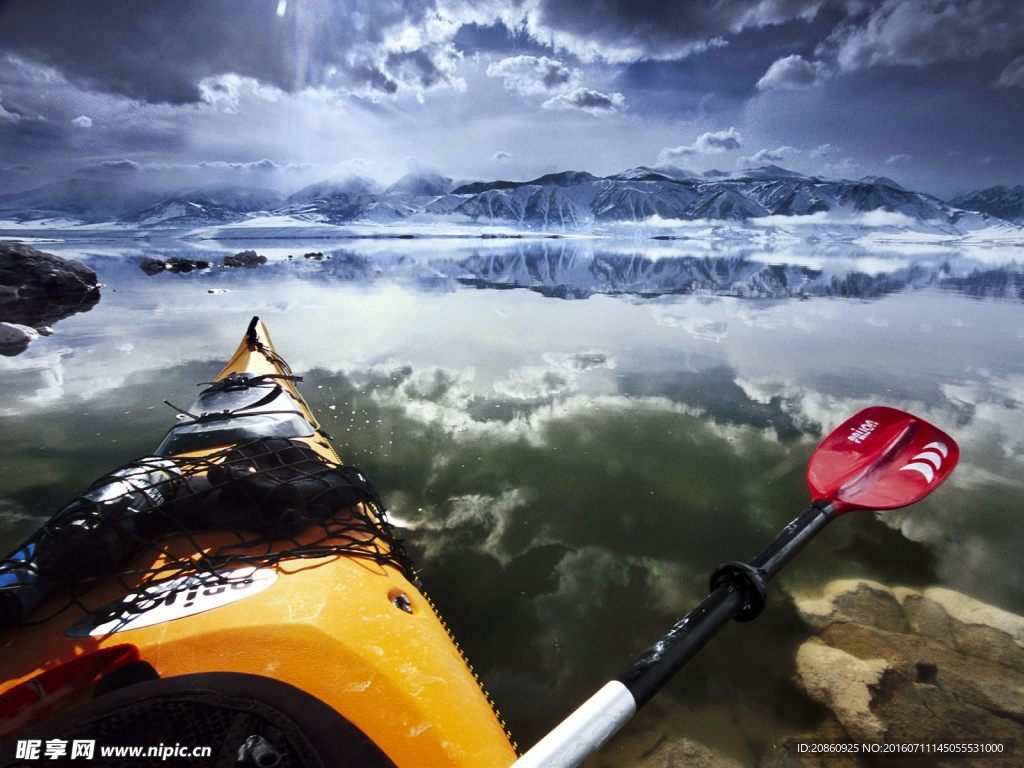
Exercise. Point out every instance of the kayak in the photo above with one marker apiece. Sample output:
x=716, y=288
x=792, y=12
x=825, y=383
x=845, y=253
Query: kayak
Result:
x=251, y=599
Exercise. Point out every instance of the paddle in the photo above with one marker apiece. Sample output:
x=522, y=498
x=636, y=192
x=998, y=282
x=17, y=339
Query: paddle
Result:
x=881, y=458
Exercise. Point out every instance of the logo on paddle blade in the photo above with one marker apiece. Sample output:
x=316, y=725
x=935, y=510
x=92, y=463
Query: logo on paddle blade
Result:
x=929, y=461
x=858, y=434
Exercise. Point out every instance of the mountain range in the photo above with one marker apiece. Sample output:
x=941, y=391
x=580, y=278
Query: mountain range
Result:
x=570, y=200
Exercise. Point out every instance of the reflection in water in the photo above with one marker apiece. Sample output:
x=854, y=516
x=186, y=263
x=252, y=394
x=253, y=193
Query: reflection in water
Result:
x=577, y=269
x=567, y=472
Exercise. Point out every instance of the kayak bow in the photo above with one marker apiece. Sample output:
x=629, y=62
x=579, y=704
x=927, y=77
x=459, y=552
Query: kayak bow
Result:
x=351, y=636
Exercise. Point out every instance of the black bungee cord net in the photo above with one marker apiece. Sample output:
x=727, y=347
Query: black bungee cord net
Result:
x=151, y=523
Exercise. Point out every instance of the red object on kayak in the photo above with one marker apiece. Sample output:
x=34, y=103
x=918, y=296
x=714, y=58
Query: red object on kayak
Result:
x=39, y=697
x=880, y=458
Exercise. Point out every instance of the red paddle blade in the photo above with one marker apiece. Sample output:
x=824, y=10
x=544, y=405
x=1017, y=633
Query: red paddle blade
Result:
x=881, y=458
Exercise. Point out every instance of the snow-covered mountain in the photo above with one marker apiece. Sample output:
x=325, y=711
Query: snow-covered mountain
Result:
x=184, y=213
x=1003, y=202
x=79, y=198
x=569, y=200
x=192, y=208
x=670, y=193
x=355, y=198
x=421, y=184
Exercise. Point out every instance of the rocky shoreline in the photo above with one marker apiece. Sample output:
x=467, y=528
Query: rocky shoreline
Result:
x=37, y=289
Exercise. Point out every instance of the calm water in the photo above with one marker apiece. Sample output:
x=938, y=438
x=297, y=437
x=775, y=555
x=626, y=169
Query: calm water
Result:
x=569, y=459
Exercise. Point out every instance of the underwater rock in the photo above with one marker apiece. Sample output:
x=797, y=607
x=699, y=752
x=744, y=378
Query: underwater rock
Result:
x=912, y=666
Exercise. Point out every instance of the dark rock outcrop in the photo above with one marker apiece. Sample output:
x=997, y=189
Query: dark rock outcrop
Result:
x=152, y=266
x=245, y=259
x=37, y=289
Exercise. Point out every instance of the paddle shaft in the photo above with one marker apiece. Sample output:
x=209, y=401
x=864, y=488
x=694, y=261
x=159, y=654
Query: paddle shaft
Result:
x=738, y=591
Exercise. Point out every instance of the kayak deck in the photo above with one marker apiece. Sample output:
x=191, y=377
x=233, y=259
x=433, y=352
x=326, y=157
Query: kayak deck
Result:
x=351, y=631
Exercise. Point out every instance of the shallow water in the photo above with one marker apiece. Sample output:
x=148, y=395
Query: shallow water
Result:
x=569, y=459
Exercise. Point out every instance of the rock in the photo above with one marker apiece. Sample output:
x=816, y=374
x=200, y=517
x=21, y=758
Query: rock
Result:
x=905, y=665
x=855, y=600
x=152, y=266
x=38, y=289
x=245, y=259
x=313, y=255
x=844, y=684
x=683, y=753
x=641, y=747
x=15, y=338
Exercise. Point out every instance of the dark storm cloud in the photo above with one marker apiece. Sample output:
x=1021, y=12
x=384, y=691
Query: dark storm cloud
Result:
x=374, y=78
x=25, y=137
x=110, y=166
x=160, y=52
x=629, y=30
x=920, y=32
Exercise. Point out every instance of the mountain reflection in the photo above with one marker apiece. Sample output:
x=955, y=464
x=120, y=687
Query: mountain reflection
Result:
x=578, y=270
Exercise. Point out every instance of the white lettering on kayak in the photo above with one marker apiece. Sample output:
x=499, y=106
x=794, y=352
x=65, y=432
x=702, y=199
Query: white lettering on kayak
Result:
x=858, y=434
x=175, y=599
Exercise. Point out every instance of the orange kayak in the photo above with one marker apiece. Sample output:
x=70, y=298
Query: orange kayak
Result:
x=272, y=625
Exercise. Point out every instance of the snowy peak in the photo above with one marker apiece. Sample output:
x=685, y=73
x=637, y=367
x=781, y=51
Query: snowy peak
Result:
x=763, y=172
x=351, y=186
x=174, y=212
x=563, y=179
x=881, y=181
x=421, y=184
x=1002, y=202
x=661, y=173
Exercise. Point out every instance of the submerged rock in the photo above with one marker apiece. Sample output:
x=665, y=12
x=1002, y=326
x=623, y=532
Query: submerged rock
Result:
x=912, y=666
x=37, y=289
x=245, y=259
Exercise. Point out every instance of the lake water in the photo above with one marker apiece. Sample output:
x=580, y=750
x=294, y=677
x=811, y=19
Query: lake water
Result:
x=572, y=434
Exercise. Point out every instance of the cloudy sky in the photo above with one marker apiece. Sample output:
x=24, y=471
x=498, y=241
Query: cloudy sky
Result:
x=280, y=93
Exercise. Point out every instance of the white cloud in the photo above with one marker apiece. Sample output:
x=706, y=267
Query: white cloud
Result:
x=763, y=156
x=83, y=121
x=883, y=218
x=501, y=156
x=792, y=73
x=710, y=143
x=845, y=166
x=7, y=116
x=824, y=150
x=586, y=100
x=532, y=75
x=898, y=159
x=1013, y=75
